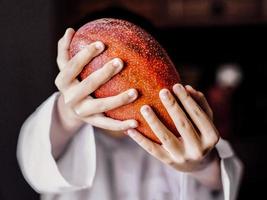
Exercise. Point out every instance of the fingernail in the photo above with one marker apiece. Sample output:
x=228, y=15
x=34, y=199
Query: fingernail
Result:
x=164, y=94
x=68, y=30
x=145, y=110
x=132, y=93
x=117, y=63
x=190, y=87
x=134, y=124
x=131, y=133
x=180, y=91
x=99, y=45
x=178, y=88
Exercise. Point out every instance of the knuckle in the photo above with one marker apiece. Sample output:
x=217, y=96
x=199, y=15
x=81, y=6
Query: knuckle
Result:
x=197, y=111
x=73, y=62
x=78, y=111
x=196, y=154
x=106, y=73
x=58, y=61
x=93, y=85
x=169, y=162
x=69, y=97
x=60, y=42
x=58, y=82
x=170, y=142
x=152, y=119
x=181, y=160
x=212, y=141
x=141, y=141
x=123, y=127
x=81, y=110
x=89, y=83
x=102, y=106
x=150, y=148
x=185, y=96
x=201, y=95
x=183, y=123
x=172, y=102
x=95, y=106
x=166, y=139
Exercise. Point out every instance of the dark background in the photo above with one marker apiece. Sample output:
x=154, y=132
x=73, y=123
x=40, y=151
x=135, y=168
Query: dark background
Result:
x=29, y=31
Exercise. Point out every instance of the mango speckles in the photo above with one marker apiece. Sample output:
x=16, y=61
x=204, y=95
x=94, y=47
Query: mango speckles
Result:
x=147, y=68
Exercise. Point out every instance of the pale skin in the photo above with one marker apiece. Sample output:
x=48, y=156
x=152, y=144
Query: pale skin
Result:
x=193, y=153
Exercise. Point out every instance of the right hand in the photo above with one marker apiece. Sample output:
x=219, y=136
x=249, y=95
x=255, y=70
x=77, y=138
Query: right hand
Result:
x=75, y=106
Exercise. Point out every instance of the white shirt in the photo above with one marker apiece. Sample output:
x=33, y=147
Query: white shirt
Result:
x=96, y=166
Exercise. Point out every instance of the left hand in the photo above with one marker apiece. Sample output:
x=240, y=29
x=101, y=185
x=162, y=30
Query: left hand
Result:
x=192, y=151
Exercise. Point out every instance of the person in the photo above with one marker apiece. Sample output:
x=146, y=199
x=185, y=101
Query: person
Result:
x=68, y=149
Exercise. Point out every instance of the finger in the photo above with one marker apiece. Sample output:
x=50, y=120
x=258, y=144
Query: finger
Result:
x=63, y=48
x=101, y=121
x=152, y=148
x=182, y=123
x=201, y=120
x=92, y=106
x=77, y=63
x=94, y=80
x=200, y=99
x=168, y=140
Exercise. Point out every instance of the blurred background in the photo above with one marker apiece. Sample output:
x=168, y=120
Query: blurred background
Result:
x=218, y=46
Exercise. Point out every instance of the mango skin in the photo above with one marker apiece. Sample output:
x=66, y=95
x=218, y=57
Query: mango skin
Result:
x=147, y=67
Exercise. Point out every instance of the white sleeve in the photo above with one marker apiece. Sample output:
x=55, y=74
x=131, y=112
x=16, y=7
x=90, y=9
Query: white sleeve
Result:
x=231, y=170
x=231, y=173
x=73, y=171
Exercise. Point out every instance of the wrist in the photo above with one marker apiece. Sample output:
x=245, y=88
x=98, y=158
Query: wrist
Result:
x=209, y=159
x=209, y=173
x=66, y=118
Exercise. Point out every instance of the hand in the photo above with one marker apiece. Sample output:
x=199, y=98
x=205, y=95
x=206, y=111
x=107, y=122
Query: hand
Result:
x=190, y=152
x=75, y=106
